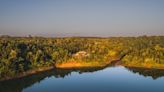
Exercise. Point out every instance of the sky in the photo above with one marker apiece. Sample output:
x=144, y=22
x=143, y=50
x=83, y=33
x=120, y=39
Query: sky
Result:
x=101, y=18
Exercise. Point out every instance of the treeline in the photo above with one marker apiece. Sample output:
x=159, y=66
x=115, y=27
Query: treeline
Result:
x=20, y=54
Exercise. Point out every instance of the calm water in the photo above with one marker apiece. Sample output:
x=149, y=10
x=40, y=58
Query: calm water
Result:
x=109, y=79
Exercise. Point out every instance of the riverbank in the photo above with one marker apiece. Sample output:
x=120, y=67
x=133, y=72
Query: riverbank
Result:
x=158, y=66
x=27, y=73
x=78, y=65
x=70, y=65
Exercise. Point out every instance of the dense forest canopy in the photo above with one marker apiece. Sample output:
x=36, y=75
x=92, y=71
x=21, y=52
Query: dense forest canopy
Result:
x=20, y=54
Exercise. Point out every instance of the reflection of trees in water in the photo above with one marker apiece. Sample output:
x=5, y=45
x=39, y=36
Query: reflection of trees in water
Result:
x=17, y=85
x=154, y=73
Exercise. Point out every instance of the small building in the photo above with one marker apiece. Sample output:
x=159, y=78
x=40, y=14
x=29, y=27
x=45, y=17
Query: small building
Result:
x=81, y=54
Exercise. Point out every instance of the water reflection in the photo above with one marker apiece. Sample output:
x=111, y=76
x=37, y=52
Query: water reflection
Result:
x=154, y=73
x=17, y=85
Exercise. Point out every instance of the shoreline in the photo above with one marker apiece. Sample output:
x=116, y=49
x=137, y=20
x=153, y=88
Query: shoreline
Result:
x=144, y=67
x=58, y=66
x=27, y=73
x=72, y=65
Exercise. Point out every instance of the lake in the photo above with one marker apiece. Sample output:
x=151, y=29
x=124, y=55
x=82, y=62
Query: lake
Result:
x=107, y=79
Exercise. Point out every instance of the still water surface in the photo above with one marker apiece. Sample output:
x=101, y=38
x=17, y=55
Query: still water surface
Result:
x=108, y=79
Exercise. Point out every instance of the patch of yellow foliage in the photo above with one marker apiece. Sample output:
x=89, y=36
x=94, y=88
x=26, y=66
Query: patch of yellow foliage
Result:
x=112, y=53
x=73, y=64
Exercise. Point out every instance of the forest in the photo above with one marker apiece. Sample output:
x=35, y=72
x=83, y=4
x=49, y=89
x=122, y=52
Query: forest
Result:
x=21, y=54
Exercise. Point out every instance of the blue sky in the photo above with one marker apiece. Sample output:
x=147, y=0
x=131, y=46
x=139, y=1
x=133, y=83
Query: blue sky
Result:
x=82, y=17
